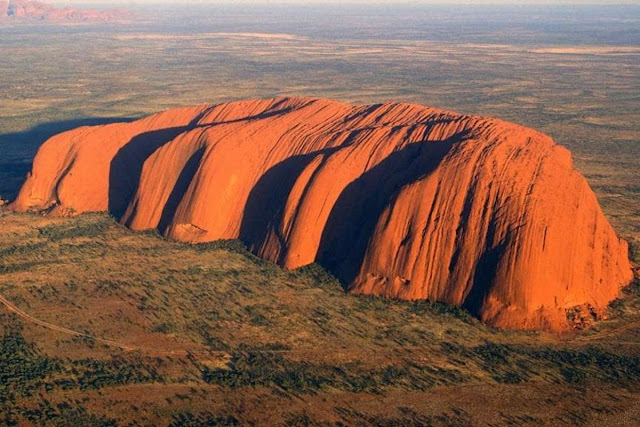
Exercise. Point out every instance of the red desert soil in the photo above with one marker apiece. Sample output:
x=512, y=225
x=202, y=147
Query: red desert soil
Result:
x=46, y=12
x=398, y=200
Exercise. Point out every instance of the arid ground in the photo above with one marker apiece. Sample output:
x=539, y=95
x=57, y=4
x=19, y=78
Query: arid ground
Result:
x=104, y=326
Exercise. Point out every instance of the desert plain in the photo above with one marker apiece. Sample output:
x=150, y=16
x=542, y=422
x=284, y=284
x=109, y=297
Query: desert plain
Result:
x=102, y=325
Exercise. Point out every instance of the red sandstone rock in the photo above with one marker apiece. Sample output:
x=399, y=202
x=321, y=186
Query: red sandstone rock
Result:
x=4, y=8
x=397, y=200
x=46, y=12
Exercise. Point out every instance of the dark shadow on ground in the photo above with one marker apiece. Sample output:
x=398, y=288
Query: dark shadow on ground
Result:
x=19, y=148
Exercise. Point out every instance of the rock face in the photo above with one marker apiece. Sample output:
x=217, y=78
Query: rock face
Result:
x=46, y=12
x=397, y=200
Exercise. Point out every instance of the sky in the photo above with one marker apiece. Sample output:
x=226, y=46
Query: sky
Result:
x=541, y=2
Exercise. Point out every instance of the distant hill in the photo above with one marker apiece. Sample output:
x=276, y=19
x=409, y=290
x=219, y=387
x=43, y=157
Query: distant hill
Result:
x=27, y=9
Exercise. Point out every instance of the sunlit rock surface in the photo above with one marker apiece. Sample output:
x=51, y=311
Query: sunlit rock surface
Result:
x=397, y=200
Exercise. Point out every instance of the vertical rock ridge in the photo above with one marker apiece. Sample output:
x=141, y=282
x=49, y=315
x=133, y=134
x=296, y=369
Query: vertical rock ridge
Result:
x=397, y=200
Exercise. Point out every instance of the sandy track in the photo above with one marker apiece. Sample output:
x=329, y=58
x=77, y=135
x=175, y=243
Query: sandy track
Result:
x=111, y=343
x=613, y=332
x=160, y=351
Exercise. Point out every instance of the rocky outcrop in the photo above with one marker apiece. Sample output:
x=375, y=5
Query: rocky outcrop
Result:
x=397, y=200
x=4, y=8
x=38, y=10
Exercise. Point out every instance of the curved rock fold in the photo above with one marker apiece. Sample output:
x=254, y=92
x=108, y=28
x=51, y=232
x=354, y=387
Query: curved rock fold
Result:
x=397, y=200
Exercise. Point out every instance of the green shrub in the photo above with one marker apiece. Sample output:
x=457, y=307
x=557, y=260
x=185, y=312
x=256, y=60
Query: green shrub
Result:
x=204, y=418
x=573, y=375
x=272, y=370
x=92, y=229
x=22, y=368
x=441, y=309
x=317, y=275
x=234, y=246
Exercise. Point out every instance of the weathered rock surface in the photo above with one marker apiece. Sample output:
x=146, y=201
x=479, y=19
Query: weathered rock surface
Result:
x=397, y=200
x=45, y=12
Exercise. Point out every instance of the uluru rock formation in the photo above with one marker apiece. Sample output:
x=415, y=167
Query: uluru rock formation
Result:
x=45, y=12
x=397, y=200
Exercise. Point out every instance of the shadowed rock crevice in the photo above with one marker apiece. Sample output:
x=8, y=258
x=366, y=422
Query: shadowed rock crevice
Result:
x=260, y=116
x=395, y=199
x=355, y=214
x=19, y=148
x=483, y=279
x=181, y=186
x=264, y=210
x=126, y=166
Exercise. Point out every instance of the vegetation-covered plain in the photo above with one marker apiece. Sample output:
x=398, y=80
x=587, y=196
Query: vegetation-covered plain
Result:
x=105, y=326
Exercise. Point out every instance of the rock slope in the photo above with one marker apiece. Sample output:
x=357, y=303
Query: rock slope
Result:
x=45, y=12
x=397, y=200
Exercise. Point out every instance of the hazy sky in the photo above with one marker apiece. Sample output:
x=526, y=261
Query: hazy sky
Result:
x=550, y=2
